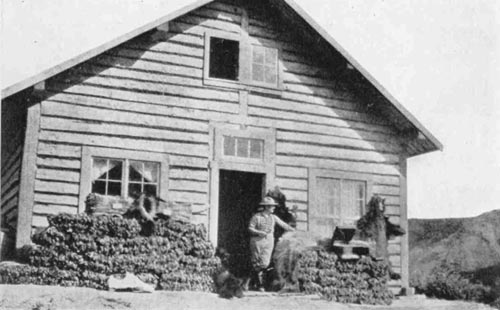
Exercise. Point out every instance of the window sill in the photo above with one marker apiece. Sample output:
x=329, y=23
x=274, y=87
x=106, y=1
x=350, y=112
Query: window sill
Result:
x=237, y=85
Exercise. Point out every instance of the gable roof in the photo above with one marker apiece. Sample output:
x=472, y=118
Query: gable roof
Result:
x=82, y=48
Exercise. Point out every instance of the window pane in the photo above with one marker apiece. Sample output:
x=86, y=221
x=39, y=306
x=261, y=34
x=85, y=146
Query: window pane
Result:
x=256, y=148
x=362, y=196
x=361, y=190
x=134, y=189
x=135, y=169
x=271, y=56
x=99, y=169
x=328, y=197
x=151, y=189
x=258, y=73
x=351, y=198
x=270, y=75
x=224, y=59
x=242, y=150
x=258, y=55
x=114, y=188
x=151, y=172
x=99, y=187
x=229, y=146
x=115, y=170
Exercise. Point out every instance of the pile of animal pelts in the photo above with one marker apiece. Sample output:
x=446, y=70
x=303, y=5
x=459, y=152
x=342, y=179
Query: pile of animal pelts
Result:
x=83, y=250
x=304, y=266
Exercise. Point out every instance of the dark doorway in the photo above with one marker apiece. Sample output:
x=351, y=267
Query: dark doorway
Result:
x=239, y=196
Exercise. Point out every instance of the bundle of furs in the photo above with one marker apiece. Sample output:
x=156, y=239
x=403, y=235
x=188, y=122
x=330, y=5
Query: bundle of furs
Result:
x=287, y=253
x=85, y=250
x=302, y=264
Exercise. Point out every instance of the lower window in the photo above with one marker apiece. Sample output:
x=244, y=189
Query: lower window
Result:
x=124, y=177
x=337, y=199
x=120, y=175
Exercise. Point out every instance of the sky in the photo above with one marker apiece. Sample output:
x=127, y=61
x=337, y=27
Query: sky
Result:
x=439, y=58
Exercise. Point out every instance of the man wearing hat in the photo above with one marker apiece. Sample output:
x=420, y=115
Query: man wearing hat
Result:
x=261, y=229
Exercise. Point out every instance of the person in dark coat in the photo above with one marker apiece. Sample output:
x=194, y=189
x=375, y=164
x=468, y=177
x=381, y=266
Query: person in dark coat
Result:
x=375, y=225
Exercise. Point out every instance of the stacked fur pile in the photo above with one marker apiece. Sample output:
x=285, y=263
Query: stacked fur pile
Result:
x=302, y=265
x=83, y=250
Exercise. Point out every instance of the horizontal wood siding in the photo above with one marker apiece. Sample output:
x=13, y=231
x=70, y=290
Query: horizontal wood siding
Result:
x=149, y=95
x=321, y=125
x=57, y=179
x=12, y=154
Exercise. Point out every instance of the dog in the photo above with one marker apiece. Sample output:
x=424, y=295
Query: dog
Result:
x=228, y=286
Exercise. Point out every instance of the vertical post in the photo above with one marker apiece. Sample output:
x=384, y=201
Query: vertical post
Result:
x=405, y=282
x=214, y=203
x=243, y=104
x=213, y=190
x=28, y=171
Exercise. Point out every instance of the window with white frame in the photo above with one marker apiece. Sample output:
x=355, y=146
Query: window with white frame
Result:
x=337, y=199
x=123, y=177
x=251, y=145
x=264, y=65
x=122, y=174
x=231, y=61
x=224, y=58
x=243, y=147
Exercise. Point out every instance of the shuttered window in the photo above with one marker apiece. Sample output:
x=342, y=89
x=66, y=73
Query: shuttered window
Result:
x=264, y=65
x=337, y=200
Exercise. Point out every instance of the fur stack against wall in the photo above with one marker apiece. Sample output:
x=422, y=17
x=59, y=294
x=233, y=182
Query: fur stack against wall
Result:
x=83, y=250
x=304, y=266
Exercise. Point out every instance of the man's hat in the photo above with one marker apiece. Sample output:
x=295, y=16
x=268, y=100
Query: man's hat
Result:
x=268, y=201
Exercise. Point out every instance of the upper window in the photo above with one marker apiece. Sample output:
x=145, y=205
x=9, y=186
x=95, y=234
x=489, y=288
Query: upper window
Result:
x=224, y=59
x=123, y=177
x=231, y=60
x=264, y=65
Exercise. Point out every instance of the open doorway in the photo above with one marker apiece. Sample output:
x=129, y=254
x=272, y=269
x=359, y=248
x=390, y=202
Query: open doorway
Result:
x=239, y=196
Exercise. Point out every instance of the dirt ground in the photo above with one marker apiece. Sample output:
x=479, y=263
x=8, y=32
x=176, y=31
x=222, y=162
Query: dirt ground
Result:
x=33, y=297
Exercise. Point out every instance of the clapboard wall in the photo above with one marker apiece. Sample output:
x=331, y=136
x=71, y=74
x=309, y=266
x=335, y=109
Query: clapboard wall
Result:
x=13, y=131
x=148, y=94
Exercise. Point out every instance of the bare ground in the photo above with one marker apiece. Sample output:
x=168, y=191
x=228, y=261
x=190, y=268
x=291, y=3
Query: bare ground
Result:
x=34, y=297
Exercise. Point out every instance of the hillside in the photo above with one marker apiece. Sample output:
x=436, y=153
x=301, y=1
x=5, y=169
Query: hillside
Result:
x=471, y=243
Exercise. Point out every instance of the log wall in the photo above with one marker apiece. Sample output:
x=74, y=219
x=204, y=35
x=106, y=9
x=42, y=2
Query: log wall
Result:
x=150, y=95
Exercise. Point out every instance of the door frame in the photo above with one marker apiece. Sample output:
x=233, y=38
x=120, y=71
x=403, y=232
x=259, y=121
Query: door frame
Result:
x=219, y=162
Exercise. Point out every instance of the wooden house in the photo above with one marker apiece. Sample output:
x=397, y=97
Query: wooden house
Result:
x=210, y=106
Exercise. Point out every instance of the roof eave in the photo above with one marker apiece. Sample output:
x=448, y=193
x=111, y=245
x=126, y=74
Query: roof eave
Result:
x=426, y=133
x=14, y=88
